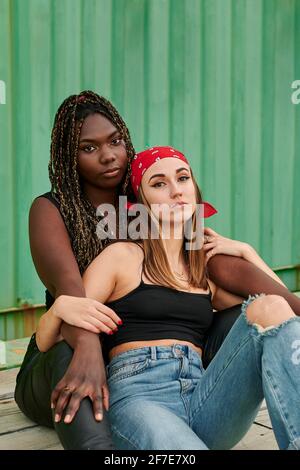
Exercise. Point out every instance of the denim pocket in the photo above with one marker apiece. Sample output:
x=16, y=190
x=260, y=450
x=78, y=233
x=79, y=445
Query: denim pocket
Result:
x=126, y=368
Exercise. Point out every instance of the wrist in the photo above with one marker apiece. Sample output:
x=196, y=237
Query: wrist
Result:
x=247, y=251
x=84, y=339
x=88, y=343
x=56, y=307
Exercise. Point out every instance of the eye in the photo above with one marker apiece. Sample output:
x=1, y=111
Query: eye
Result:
x=89, y=148
x=116, y=140
x=158, y=184
x=184, y=178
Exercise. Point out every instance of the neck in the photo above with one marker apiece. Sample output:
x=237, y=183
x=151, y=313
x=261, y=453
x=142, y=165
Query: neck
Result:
x=173, y=245
x=173, y=250
x=99, y=196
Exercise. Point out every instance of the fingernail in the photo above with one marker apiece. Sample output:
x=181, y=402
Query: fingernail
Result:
x=67, y=419
x=99, y=416
x=120, y=322
x=57, y=418
x=52, y=406
x=110, y=333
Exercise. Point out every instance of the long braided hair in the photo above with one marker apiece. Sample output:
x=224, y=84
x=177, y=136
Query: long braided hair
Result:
x=77, y=211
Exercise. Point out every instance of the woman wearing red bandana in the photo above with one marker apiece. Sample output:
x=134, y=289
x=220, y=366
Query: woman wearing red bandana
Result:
x=161, y=397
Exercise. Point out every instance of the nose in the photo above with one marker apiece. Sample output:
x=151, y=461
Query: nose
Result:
x=175, y=190
x=107, y=155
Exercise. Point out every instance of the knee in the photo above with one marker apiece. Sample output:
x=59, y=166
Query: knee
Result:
x=269, y=310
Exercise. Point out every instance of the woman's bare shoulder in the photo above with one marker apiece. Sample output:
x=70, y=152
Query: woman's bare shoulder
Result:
x=51, y=248
x=120, y=252
x=124, y=248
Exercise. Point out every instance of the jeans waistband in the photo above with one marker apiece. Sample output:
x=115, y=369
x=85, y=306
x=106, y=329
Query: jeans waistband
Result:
x=159, y=352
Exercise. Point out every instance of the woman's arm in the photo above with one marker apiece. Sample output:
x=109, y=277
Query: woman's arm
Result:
x=54, y=262
x=243, y=278
x=216, y=244
x=112, y=261
x=86, y=374
x=249, y=254
x=51, y=250
x=73, y=311
x=58, y=270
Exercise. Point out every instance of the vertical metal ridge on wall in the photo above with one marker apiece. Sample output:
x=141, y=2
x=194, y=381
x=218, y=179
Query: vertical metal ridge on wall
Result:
x=211, y=77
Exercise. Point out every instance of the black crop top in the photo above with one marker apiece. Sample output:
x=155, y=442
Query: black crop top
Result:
x=152, y=312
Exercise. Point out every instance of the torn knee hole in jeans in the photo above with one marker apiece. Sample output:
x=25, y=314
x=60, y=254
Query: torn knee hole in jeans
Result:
x=246, y=303
x=262, y=329
x=259, y=328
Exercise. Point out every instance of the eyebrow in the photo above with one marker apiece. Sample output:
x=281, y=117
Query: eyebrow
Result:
x=87, y=139
x=161, y=175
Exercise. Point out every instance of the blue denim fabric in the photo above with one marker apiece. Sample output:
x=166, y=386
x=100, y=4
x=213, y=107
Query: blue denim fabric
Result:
x=162, y=398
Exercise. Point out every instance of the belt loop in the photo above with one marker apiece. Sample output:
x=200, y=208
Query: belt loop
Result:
x=153, y=353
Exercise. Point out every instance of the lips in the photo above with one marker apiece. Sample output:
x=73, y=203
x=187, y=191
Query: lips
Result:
x=112, y=171
x=177, y=204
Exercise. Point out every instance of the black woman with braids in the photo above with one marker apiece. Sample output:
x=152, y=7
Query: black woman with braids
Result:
x=90, y=157
x=90, y=160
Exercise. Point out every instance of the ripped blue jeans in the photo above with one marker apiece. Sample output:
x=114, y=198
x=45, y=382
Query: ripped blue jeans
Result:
x=162, y=398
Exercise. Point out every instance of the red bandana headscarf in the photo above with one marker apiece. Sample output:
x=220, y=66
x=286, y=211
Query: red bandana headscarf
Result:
x=143, y=160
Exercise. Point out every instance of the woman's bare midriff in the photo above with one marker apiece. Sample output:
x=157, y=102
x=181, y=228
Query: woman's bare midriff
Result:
x=121, y=348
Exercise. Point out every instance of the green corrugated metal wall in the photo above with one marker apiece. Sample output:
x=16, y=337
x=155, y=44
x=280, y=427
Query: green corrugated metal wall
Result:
x=212, y=78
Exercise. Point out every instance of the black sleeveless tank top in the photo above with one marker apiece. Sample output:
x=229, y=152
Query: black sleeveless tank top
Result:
x=152, y=312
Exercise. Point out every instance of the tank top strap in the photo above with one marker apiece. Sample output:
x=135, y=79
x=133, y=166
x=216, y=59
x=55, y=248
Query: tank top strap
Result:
x=51, y=197
x=141, y=270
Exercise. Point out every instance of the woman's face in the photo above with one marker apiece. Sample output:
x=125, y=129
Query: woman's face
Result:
x=102, y=157
x=168, y=181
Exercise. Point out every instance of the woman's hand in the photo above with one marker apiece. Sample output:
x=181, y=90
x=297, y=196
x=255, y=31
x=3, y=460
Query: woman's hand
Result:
x=86, y=313
x=216, y=244
x=85, y=377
